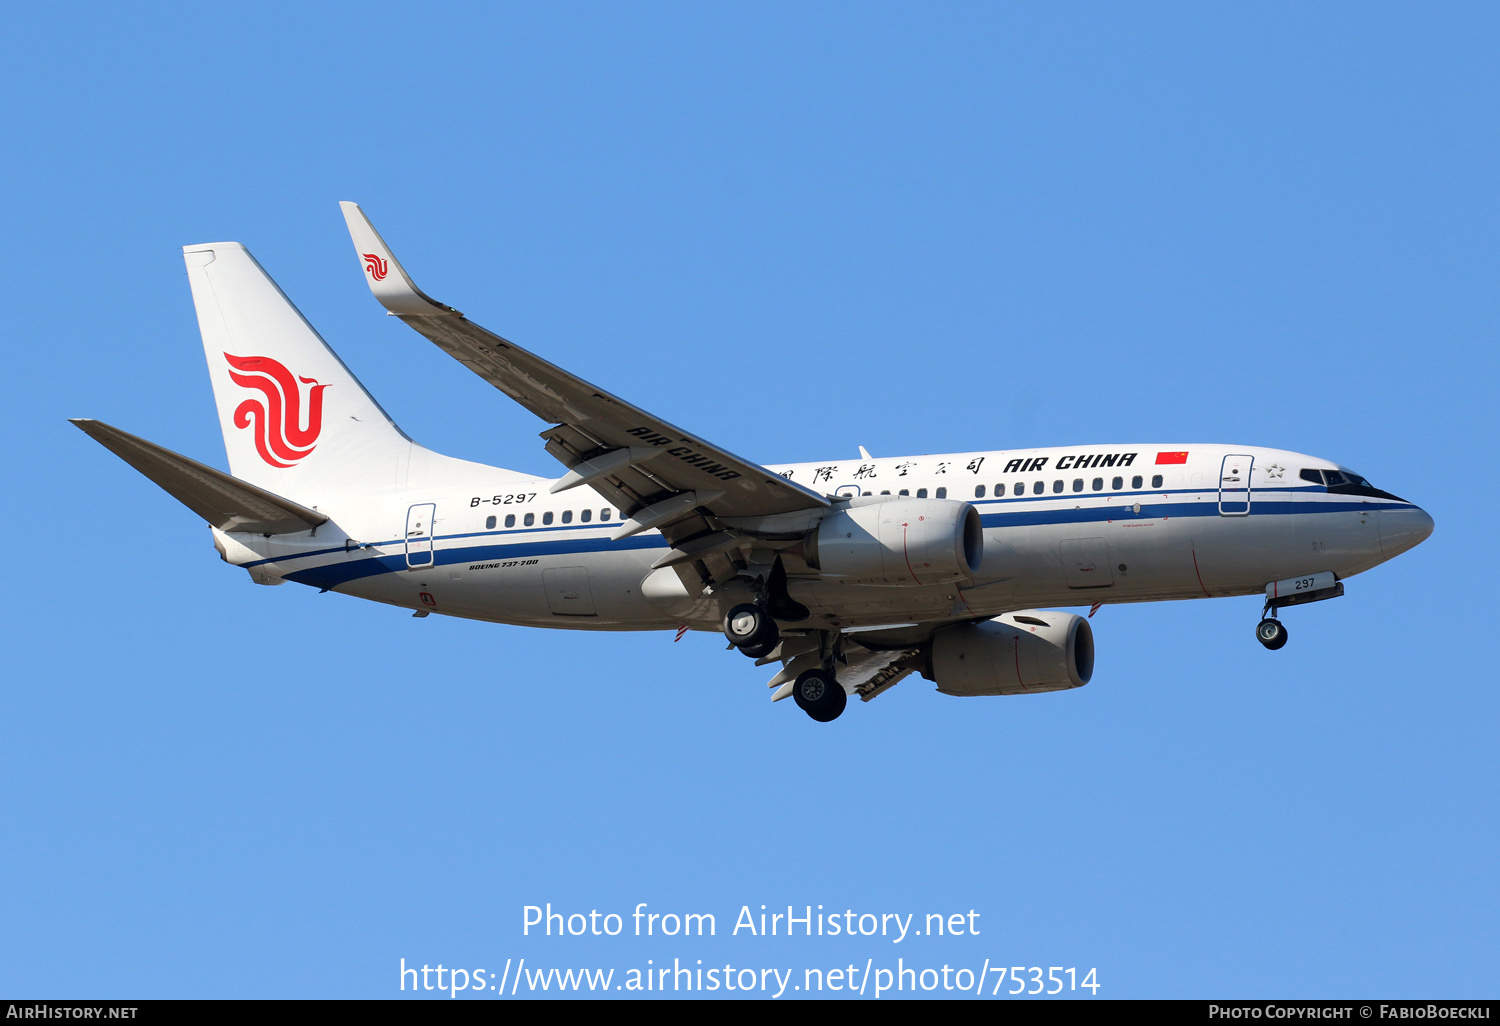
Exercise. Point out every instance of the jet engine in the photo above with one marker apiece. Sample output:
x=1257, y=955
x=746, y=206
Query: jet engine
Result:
x=1015, y=654
x=899, y=542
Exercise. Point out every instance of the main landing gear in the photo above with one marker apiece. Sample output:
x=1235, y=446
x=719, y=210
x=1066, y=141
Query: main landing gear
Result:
x=819, y=694
x=751, y=626
x=750, y=629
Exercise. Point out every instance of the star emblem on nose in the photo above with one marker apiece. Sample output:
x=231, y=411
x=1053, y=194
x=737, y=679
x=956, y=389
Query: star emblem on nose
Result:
x=1275, y=470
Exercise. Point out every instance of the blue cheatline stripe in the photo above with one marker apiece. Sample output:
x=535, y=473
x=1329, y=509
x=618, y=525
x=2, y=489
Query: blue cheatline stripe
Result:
x=609, y=525
x=505, y=532
x=303, y=555
x=333, y=574
x=1262, y=507
x=1051, y=496
x=1140, y=494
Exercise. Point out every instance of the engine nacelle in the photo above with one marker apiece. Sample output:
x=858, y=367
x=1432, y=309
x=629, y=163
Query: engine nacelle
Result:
x=1015, y=654
x=901, y=542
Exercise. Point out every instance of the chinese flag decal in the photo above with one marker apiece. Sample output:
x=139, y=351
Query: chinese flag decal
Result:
x=1170, y=457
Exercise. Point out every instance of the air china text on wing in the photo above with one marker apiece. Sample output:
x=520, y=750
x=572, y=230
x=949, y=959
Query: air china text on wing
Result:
x=851, y=574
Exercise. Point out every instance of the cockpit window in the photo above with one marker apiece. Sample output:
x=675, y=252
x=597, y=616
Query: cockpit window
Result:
x=1334, y=478
x=1346, y=482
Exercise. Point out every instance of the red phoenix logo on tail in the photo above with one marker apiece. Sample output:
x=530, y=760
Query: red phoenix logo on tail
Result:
x=376, y=265
x=280, y=437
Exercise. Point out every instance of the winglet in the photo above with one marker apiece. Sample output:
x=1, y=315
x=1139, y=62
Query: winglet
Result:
x=388, y=280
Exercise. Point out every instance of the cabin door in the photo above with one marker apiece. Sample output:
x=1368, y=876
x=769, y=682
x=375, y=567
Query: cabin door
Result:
x=1234, y=485
x=419, y=535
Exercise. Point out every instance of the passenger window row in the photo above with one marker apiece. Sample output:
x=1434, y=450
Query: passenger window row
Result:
x=942, y=493
x=529, y=519
x=1040, y=487
x=1037, y=488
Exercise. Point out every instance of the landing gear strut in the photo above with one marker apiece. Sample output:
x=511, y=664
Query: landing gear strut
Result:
x=819, y=694
x=1294, y=591
x=750, y=629
x=1270, y=633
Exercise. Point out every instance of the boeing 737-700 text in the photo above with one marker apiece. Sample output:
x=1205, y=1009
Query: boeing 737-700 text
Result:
x=851, y=574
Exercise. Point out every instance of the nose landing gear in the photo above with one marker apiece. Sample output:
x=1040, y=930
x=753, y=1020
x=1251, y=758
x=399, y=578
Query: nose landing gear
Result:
x=1294, y=591
x=1270, y=633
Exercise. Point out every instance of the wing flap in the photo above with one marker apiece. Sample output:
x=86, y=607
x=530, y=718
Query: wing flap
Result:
x=225, y=502
x=866, y=673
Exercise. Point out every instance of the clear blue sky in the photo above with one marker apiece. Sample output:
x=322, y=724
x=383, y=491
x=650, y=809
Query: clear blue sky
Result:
x=795, y=230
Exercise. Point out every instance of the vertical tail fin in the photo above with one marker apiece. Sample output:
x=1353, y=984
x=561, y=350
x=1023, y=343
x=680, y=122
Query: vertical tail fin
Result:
x=295, y=420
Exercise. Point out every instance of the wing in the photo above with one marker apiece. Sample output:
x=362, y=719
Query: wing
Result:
x=658, y=474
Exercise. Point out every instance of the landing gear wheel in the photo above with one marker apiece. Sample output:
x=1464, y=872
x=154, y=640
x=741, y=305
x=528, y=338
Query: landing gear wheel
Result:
x=820, y=695
x=763, y=649
x=750, y=627
x=1270, y=633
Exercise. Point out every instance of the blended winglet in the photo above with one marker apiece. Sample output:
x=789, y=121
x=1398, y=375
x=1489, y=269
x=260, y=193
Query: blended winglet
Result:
x=388, y=280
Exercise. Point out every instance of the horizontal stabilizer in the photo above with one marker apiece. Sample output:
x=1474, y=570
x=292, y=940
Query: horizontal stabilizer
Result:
x=225, y=502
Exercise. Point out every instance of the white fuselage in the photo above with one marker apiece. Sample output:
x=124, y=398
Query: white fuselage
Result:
x=1062, y=527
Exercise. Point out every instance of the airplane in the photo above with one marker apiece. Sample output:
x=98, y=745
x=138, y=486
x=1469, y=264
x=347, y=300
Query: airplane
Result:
x=852, y=574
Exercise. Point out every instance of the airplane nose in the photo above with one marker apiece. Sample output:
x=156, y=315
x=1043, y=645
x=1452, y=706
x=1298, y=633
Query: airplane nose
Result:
x=1402, y=529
